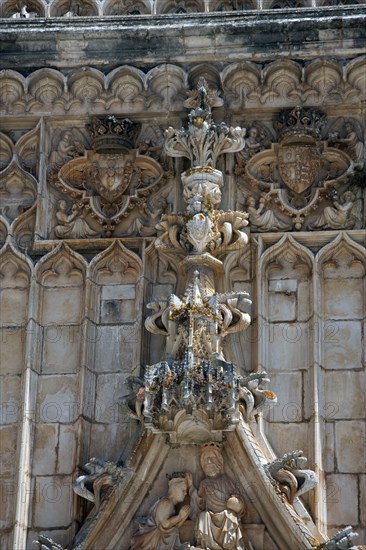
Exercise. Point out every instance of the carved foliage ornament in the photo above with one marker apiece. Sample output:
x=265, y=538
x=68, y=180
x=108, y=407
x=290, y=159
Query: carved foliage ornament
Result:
x=203, y=141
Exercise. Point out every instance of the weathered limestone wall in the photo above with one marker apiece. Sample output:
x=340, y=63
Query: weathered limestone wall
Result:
x=72, y=314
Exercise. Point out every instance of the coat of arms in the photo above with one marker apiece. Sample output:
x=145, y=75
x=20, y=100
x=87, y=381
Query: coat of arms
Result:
x=299, y=165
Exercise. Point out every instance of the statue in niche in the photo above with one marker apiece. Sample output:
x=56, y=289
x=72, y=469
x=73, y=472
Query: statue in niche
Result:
x=75, y=10
x=218, y=504
x=338, y=216
x=160, y=529
x=72, y=225
x=67, y=149
x=24, y=13
x=351, y=143
x=264, y=220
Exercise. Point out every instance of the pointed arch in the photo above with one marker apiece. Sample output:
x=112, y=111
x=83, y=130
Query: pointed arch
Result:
x=6, y=151
x=86, y=84
x=46, y=85
x=116, y=8
x=12, y=88
x=127, y=84
x=18, y=190
x=27, y=150
x=10, y=8
x=22, y=228
x=356, y=73
x=286, y=252
x=115, y=265
x=167, y=82
x=241, y=82
x=342, y=254
x=4, y=228
x=283, y=79
x=208, y=71
x=324, y=77
x=61, y=8
x=61, y=263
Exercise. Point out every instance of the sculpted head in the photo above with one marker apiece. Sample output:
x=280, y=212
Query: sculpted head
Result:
x=177, y=487
x=253, y=132
x=212, y=461
x=349, y=127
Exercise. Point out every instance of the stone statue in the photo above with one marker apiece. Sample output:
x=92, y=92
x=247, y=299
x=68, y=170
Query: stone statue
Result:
x=72, y=225
x=254, y=143
x=24, y=13
x=262, y=220
x=67, y=149
x=351, y=143
x=337, y=216
x=219, y=505
x=160, y=529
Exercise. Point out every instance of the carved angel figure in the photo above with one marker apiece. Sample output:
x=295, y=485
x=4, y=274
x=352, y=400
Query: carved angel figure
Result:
x=254, y=143
x=72, y=225
x=262, y=220
x=160, y=529
x=351, y=143
x=337, y=216
x=219, y=505
x=67, y=149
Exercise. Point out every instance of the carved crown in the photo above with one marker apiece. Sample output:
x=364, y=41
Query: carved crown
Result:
x=300, y=121
x=110, y=134
x=175, y=476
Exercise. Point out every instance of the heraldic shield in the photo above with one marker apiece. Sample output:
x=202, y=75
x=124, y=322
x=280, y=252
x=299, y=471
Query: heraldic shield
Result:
x=299, y=165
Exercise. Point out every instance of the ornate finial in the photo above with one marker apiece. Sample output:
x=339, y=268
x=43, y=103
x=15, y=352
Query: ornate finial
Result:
x=203, y=97
x=110, y=134
x=202, y=142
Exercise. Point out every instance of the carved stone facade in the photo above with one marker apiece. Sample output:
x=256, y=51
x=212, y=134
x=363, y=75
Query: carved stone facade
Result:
x=182, y=275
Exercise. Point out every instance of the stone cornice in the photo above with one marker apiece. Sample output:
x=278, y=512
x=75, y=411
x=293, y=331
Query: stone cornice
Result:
x=150, y=39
